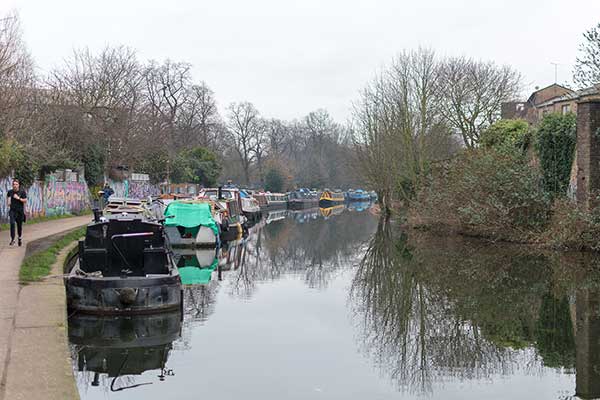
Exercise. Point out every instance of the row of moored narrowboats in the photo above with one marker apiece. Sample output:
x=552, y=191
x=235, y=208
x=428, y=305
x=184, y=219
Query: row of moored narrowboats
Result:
x=126, y=262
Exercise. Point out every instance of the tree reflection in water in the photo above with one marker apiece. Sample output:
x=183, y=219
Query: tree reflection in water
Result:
x=436, y=309
x=314, y=249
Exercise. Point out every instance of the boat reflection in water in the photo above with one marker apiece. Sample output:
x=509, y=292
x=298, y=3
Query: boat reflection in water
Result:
x=359, y=206
x=111, y=352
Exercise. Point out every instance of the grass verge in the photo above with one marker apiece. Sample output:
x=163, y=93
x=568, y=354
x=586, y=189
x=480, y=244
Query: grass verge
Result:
x=38, y=265
x=5, y=227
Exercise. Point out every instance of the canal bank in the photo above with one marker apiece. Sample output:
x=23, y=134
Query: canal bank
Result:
x=34, y=357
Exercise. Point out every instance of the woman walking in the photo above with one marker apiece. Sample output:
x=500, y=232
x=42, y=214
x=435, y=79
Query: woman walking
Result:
x=16, y=199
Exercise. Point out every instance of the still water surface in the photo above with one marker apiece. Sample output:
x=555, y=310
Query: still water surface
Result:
x=345, y=306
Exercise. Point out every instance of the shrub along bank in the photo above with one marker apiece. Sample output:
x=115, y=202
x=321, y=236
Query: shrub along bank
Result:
x=512, y=187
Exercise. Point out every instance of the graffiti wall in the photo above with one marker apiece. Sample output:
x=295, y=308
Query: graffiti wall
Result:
x=65, y=197
x=134, y=189
x=35, y=204
x=48, y=198
x=140, y=190
x=5, y=185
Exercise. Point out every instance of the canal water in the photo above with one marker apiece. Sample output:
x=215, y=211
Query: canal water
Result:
x=341, y=305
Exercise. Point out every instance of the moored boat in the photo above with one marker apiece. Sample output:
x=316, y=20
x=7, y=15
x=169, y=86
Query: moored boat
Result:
x=330, y=198
x=228, y=211
x=271, y=201
x=123, y=267
x=250, y=206
x=303, y=198
x=191, y=223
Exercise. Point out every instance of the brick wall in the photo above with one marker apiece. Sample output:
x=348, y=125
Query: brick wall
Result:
x=588, y=152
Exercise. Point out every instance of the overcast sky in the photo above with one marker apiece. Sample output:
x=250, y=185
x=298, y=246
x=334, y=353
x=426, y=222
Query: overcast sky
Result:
x=292, y=57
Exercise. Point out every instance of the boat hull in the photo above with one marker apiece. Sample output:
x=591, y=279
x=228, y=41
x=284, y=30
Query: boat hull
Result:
x=301, y=204
x=254, y=216
x=233, y=232
x=130, y=295
x=204, y=238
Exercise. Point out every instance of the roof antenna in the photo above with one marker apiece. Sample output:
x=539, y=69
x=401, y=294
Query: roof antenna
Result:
x=555, y=71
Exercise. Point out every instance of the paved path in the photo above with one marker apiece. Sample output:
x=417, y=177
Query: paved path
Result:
x=26, y=326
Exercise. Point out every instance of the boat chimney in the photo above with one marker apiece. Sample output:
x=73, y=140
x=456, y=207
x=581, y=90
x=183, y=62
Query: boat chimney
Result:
x=97, y=214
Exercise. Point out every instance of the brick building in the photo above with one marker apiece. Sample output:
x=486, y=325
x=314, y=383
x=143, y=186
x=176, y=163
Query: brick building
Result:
x=551, y=99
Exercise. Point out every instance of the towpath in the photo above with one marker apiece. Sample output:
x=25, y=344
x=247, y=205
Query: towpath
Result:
x=34, y=361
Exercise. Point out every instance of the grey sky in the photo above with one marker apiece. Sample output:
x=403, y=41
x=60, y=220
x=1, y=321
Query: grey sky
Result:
x=291, y=57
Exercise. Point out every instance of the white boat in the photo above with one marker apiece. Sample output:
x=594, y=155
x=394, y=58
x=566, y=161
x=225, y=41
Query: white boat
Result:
x=191, y=223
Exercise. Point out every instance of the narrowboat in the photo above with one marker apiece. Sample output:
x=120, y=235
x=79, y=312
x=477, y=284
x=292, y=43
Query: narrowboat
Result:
x=247, y=204
x=250, y=206
x=330, y=198
x=123, y=267
x=228, y=211
x=271, y=201
x=303, y=198
x=358, y=195
x=191, y=223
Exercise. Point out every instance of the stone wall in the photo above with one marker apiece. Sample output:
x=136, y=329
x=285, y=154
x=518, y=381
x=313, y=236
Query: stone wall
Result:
x=49, y=198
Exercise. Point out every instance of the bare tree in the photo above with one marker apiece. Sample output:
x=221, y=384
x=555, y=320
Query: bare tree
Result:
x=243, y=122
x=199, y=118
x=587, y=66
x=105, y=89
x=166, y=93
x=396, y=122
x=16, y=75
x=471, y=94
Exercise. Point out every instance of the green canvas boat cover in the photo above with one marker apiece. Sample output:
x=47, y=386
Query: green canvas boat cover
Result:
x=197, y=276
x=190, y=215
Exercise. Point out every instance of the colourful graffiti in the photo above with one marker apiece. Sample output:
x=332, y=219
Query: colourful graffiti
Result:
x=140, y=190
x=35, y=203
x=5, y=184
x=48, y=198
x=65, y=197
x=134, y=189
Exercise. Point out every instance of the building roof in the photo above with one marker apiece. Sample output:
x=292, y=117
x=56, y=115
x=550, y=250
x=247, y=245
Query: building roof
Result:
x=573, y=95
x=549, y=92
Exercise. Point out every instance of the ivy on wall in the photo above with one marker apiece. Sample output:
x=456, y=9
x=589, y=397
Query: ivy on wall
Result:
x=555, y=145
